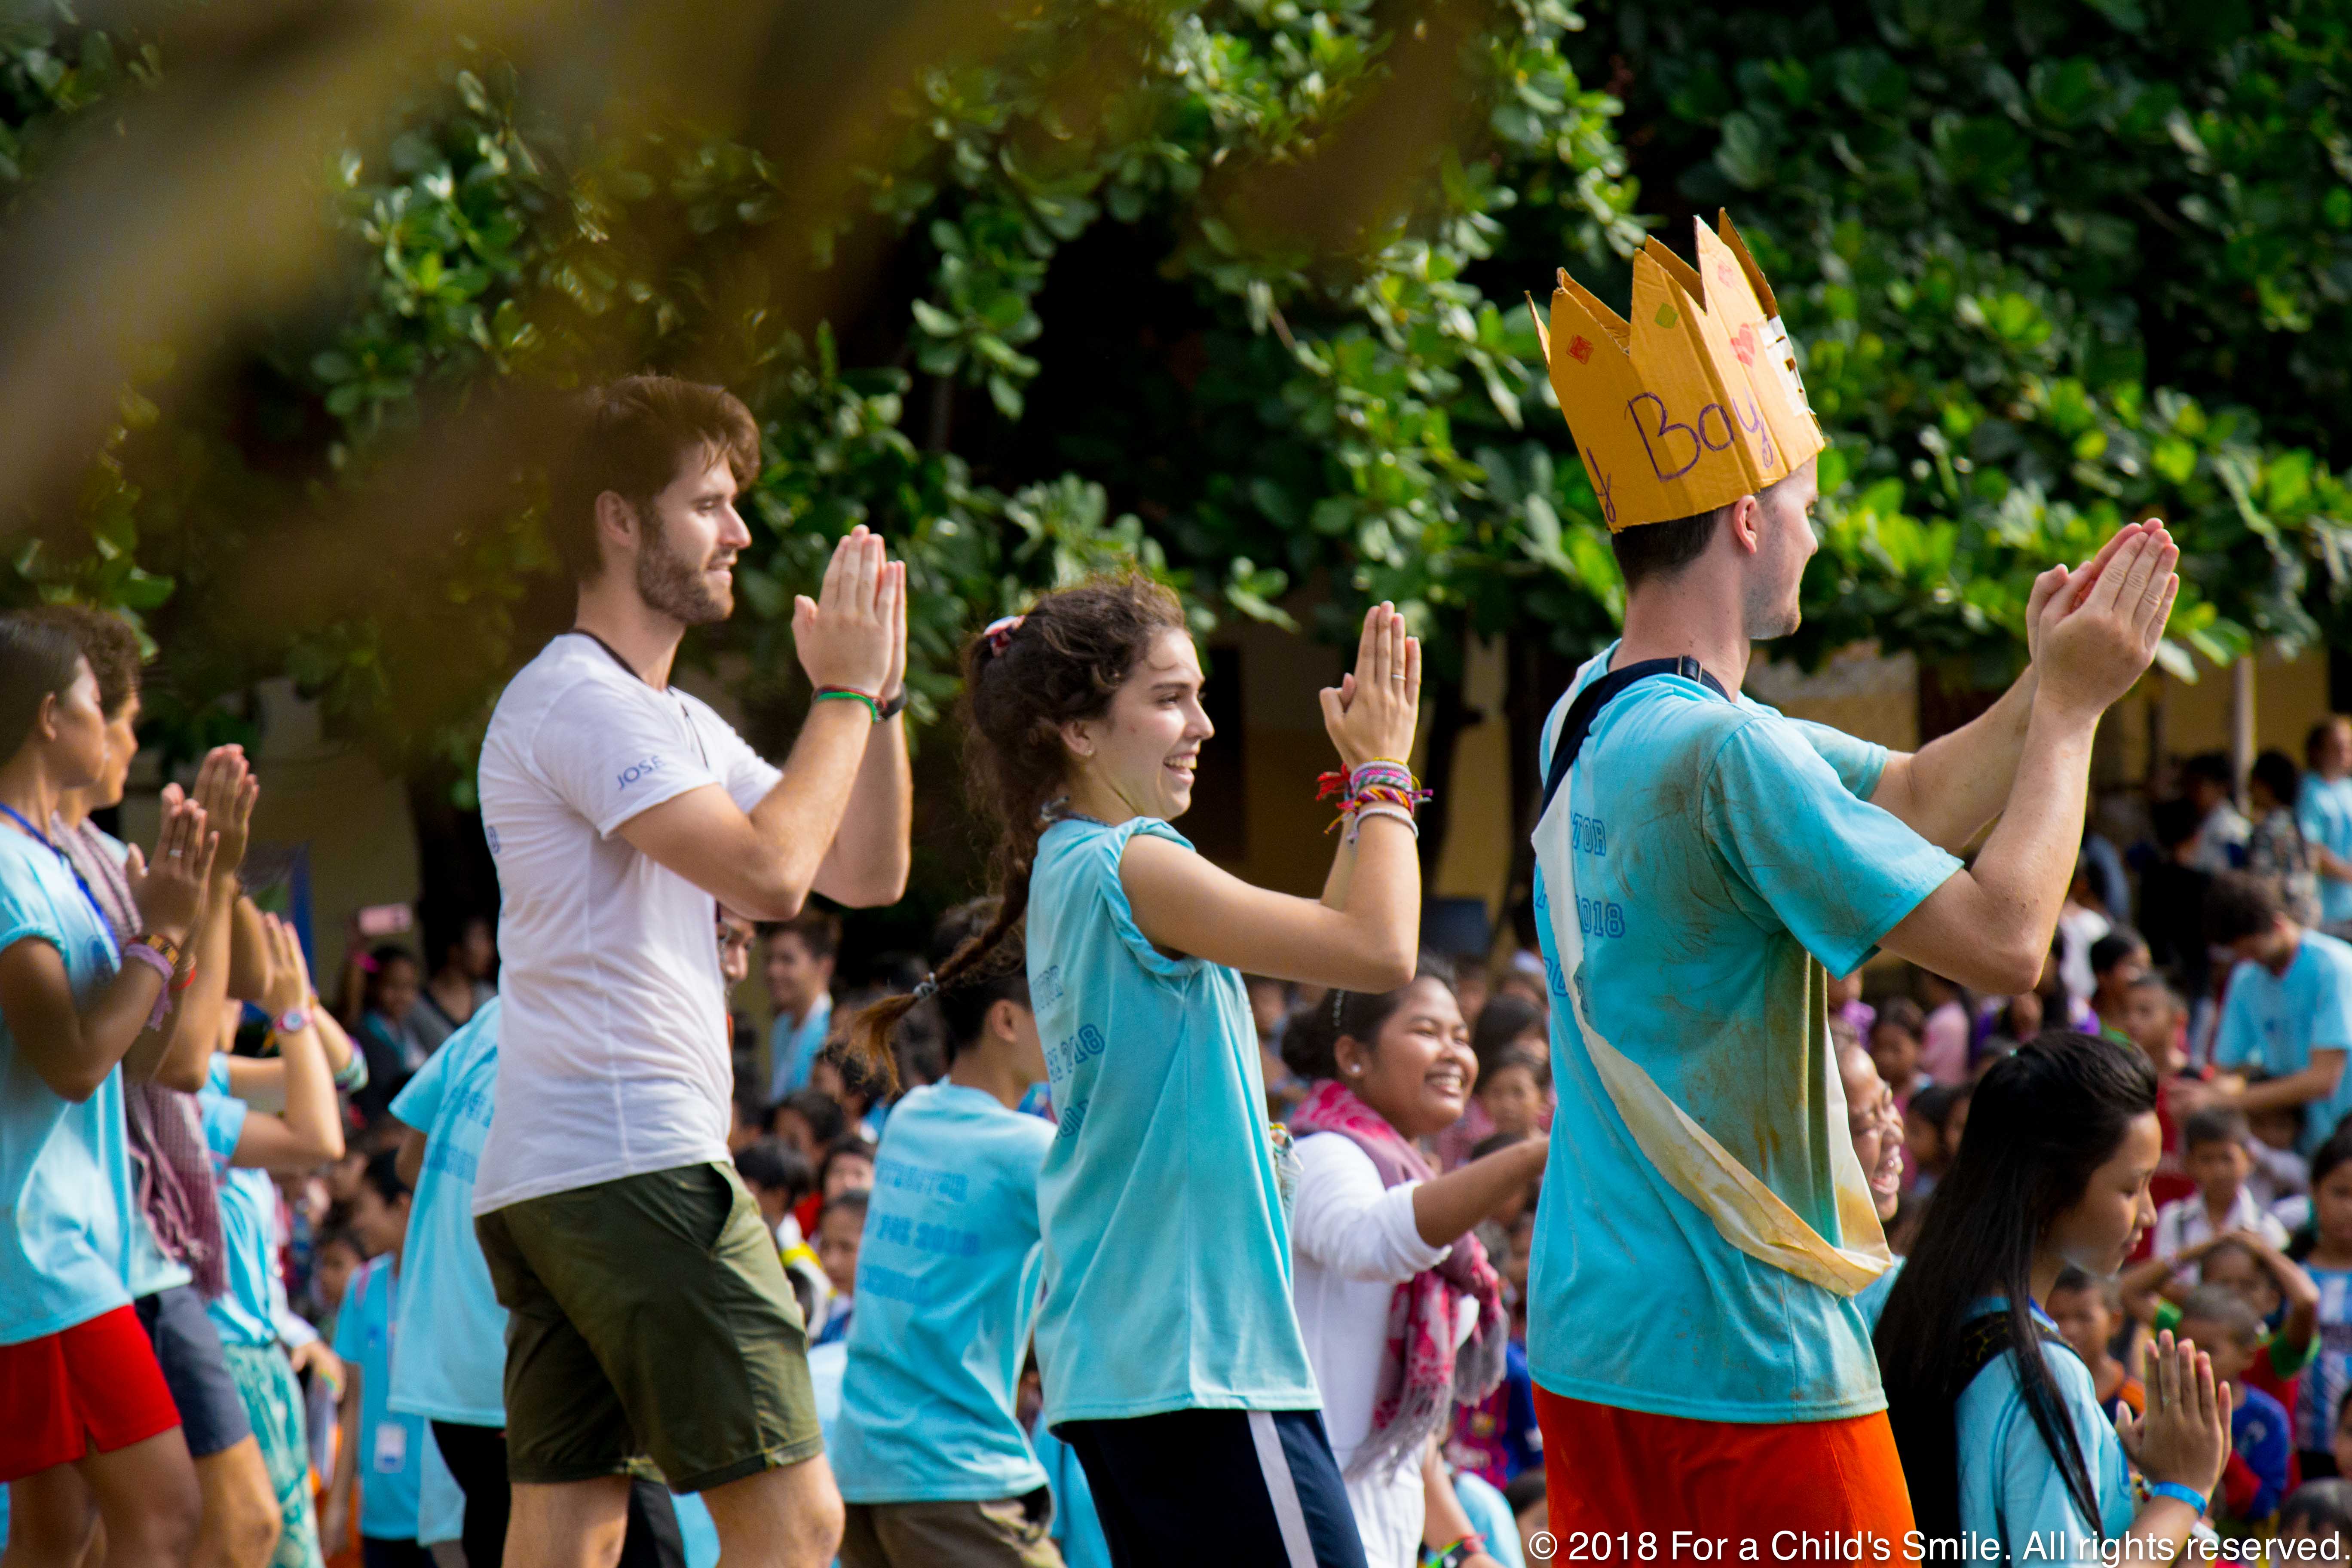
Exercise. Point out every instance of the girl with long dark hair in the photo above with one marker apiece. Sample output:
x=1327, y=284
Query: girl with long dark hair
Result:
x=1403, y=1313
x=1998, y=1421
x=1170, y=1355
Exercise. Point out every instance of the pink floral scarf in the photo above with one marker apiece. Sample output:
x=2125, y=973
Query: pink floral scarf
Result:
x=1422, y=1376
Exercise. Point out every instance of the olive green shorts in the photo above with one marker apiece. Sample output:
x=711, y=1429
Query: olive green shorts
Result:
x=648, y=1318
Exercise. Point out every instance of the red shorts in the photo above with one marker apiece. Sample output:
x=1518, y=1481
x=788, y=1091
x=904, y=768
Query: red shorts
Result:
x=1831, y=1492
x=93, y=1387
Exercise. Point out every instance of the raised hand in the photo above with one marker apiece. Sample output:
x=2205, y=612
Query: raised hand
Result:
x=2183, y=1436
x=288, y=985
x=1372, y=712
x=894, y=585
x=227, y=789
x=2091, y=652
x=173, y=889
x=2077, y=581
x=852, y=634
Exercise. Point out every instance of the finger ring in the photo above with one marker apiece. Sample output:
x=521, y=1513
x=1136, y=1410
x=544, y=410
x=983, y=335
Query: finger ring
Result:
x=1398, y=679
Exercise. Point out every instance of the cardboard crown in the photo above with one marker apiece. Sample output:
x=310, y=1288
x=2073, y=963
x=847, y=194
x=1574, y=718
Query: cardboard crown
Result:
x=1693, y=405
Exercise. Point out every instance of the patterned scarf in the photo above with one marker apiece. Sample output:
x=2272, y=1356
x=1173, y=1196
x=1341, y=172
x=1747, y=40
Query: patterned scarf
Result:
x=166, y=1131
x=1422, y=1376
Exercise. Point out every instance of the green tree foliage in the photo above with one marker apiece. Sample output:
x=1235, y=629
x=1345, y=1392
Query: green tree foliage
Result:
x=1234, y=288
x=2053, y=266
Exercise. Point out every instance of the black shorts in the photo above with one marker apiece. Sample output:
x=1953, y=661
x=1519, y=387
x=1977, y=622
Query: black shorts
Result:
x=1278, y=1499
x=188, y=1348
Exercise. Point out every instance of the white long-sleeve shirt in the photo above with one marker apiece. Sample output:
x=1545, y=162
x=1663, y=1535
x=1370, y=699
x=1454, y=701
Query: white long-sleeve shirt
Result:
x=1352, y=1243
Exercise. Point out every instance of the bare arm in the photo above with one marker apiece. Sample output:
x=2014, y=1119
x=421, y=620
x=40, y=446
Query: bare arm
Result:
x=1448, y=1207
x=1957, y=783
x=867, y=863
x=1954, y=784
x=227, y=789
x=1371, y=941
x=764, y=864
x=1990, y=926
x=335, y=1509
x=311, y=1132
x=2299, y=1291
x=2316, y=1081
x=1443, y=1522
x=74, y=1050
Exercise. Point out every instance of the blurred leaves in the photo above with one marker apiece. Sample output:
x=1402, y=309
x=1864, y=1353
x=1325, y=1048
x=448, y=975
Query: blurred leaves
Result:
x=1231, y=291
x=2050, y=268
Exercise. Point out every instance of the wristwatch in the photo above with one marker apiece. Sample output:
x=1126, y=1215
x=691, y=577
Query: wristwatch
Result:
x=292, y=1021
x=893, y=707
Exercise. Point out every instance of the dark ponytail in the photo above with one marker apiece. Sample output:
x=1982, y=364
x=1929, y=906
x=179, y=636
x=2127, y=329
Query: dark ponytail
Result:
x=1310, y=1040
x=962, y=996
x=2040, y=1121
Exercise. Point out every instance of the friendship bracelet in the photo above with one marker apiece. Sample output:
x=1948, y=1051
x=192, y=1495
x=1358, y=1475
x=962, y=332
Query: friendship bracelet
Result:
x=847, y=694
x=183, y=979
x=141, y=953
x=162, y=946
x=1355, y=820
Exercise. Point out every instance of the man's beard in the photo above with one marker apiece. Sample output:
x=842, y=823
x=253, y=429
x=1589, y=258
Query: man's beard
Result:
x=669, y=583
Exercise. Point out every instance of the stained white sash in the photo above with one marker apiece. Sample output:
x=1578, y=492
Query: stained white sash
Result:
x=1746, y=1213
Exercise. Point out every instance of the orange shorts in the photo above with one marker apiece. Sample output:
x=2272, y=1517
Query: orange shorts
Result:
x=1664, y=1488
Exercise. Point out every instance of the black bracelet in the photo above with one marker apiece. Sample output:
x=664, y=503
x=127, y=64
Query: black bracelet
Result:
x=885, y=712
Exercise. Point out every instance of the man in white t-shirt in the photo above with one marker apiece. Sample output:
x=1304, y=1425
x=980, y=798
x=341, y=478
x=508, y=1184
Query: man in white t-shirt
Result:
x=649, y=1316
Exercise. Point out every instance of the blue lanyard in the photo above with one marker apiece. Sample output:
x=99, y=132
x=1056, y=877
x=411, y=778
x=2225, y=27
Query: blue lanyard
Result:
x=80, y=882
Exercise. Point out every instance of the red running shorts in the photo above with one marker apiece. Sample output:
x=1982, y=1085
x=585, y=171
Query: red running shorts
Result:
x=94, y=1386
x=1664, y=1488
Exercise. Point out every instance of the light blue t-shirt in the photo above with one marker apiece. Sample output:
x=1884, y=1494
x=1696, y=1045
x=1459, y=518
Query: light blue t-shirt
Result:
x=78, y=1246
x=392, y=1444
x=243, y=1313
x=452, y=1327
x=1723, y=854
x=2011, y=1486
x=1167, y=1252
x=2278, y=1020
x=793, y=1051
x=2323, y=810
x=947, y=1283
x=1871, y=1299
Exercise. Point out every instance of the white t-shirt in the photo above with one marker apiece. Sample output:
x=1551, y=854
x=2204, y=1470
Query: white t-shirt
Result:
x=613, y=1057
x=1352, y=1243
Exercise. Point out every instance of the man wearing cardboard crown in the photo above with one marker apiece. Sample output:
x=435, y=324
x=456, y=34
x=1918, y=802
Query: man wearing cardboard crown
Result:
x=1706, y=1248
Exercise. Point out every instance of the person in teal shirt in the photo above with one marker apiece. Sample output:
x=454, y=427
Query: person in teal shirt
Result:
x=382, y=1453
x=929, y=1453
x=85, y=1387
x=246, y=1145
x=798, y=969
x=2021, y=1465
x=2288, y=1009
x=1170, y=1356
x=2324, y=809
